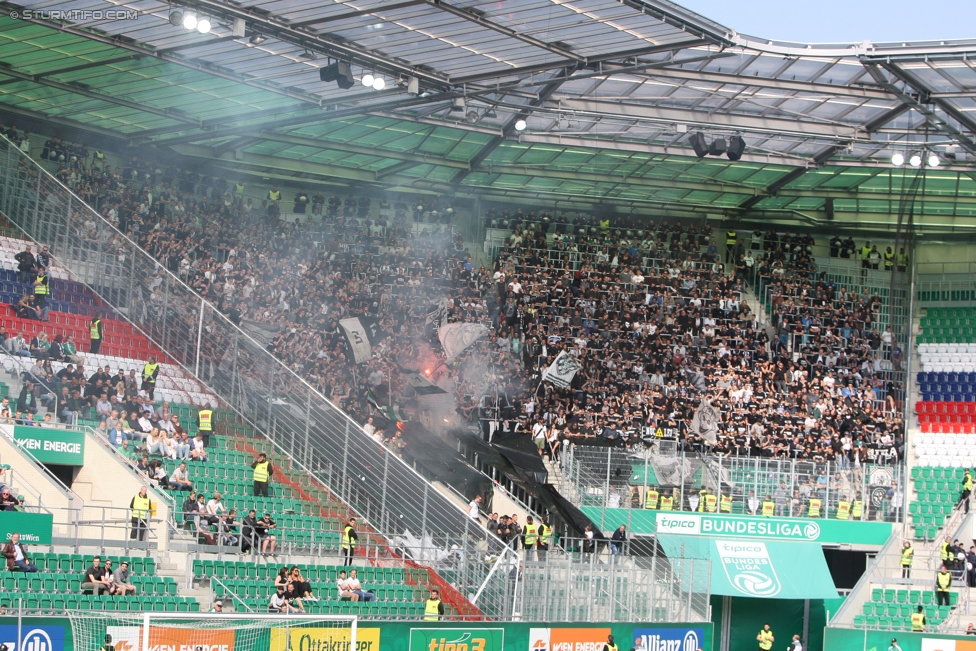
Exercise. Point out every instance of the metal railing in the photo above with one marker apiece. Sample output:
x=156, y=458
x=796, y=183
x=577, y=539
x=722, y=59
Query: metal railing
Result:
x=605, y=477
x=301, y=423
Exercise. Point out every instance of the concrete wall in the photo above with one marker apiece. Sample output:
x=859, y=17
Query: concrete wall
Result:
x=107, y=485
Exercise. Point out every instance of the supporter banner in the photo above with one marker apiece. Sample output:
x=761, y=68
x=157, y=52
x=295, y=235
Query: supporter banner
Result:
x=705, y=421
x=374, y=333
x=323, y=639
x=34, y=528
x=32, y=638
x=457, y=639
x=421, y=385
x=358, y=339
x=437, y=314
x=456, y=337
x=568, y=639
x=562, y=370
x=54, y=446
x=641, y=521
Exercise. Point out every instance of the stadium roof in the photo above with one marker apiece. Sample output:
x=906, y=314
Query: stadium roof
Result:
x=610, y=91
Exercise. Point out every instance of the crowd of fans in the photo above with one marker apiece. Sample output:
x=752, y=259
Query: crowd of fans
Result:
x=655, y=317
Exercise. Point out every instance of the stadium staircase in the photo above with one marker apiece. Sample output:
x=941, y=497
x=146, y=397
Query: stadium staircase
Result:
x=247, y=423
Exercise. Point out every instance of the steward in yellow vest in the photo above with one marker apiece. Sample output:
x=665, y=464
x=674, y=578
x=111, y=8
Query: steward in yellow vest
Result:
x=433, y=609
x=907, y=556
x=349, y=541
x=702, y=494
x=610, y=645
x=149, y=374
x=710, y=503
x=765, y=638
x=95, y=334
x=843, y=510
x=42, y=288
x=545, y=534
x=650, y=498
x=889, y=259
x=918, y=620
x=902, y=260
x=205, y=424
x=726, y=505
x=944, y=553
x=530, y=534
x=768, y=508
x=140, y=506
x=857, y=509
x=814, y=510
x=263, y=471
x=667, y=503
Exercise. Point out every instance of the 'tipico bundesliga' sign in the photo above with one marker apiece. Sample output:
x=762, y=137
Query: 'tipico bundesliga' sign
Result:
x=689, y=524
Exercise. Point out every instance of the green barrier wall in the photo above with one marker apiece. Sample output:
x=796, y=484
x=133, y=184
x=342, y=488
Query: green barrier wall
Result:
x=422, y=636
x=34, y=528
x=846, y=639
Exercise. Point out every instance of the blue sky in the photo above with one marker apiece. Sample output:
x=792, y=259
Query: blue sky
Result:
x=853, y=21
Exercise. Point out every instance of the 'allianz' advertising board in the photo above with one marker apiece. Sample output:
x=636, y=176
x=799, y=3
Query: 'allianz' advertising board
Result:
x=670, y=639
x=33, y=638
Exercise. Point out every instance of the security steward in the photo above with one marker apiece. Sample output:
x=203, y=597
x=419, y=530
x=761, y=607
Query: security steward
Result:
x=667, y=503
x=349, y=541
x=907, y=556
x=530, y=534
x=943, y=581
x=434, y=608
x=149, y=374
x=108, y=646
x=765, y=638
x=650, y=498
x=902, y=261
x=140, y=506
x=918, y=620
x=967, y=490
x=95, y=334
x=545, y=535
x=263, y=471
x=205, y=424
x=42, y=289
x=610, y=645
x=731, y=237
x=944, y=553
x=889, y=259
x=726, y=503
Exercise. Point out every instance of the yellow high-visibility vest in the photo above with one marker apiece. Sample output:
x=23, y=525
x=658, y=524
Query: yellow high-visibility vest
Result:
x=726, y=504
x=967, y=482
x=545, y=534
x=865, y=252
x=147, y=372
x=650, y=499
x=667, y=503
x=814, y=511
x=206, y=416
x=944, y=551
x=765, y=640
x=261, y=471
x=348, y=542
x=432, y=610
x=140, y=507
x=768, y=509
x=730, y=238
x=531, y=534
x=889, y=260
x=944, y=579
x=710, y=502
x=857, y=509
x=918, y=622
x=906, y=556
x=41, y=288
x=843, y=510
x=701, y=501
x=274, y=195
x=93, y=331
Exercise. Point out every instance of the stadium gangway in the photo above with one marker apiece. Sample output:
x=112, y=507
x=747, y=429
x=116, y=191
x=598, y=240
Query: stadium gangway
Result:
x=265, y=393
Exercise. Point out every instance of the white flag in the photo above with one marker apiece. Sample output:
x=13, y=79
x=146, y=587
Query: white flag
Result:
x=358, y=339
x=562, y=370
x=456, y=337
x=705, y=422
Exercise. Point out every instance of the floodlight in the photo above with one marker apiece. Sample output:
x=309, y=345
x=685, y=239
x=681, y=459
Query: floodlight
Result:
x=368, y=79
x=915, y=160
x=190, y=21
x=520, y=125
x=898, y=159
x=934, y=160
x=379, y=83
x=203, y=26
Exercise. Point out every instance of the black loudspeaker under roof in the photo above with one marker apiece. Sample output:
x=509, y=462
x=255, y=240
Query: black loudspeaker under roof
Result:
x=698, y=143
x=736, y=146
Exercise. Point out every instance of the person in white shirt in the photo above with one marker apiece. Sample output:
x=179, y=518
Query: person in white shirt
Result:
x=278, y=603
x=474, y=508
x=196, y=449
x=357, y=587
x=753, y=503
x=345, y=592
x=215, y=507
x=796, y=645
